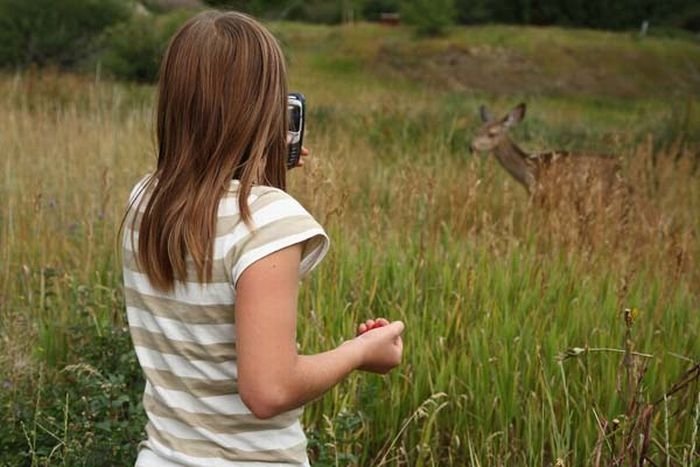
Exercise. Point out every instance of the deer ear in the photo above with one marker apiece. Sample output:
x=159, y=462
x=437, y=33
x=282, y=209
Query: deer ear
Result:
x=516, y=115
x=485, y=114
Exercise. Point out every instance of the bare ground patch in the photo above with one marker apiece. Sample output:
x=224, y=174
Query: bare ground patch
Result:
x=556, y=70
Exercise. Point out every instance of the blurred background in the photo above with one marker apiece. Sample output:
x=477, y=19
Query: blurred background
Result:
x=538, y=333
x=126, y=37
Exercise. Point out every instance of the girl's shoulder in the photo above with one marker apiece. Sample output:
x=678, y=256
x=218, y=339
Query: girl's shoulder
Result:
x=277, y=221
x=265, y=190
x=269, y=198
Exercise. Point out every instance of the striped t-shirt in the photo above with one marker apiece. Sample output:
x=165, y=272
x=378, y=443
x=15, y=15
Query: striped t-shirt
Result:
x=185, y=341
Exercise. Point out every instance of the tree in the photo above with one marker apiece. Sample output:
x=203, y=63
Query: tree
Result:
x=473, y=11
x=372, y=9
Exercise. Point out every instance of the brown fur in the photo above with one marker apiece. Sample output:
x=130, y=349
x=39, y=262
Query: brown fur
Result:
x=580, y=196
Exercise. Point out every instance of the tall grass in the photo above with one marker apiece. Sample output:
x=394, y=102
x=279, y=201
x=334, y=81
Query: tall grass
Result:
x=517, y=350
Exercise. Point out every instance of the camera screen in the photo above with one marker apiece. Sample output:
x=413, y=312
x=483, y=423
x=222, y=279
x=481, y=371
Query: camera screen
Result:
x=294, y=118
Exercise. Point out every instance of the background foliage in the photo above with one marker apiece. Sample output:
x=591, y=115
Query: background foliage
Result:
x=126, y=37
x=46, y=32
x=519, y=350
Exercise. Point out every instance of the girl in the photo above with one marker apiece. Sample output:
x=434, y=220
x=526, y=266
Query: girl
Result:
x=213, y=252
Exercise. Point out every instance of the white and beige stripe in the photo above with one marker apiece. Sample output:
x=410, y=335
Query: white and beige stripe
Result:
x=185, y=341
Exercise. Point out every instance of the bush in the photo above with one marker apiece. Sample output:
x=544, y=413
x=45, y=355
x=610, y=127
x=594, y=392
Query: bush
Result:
x=46, y=32
x=315, y=11
x=257, y=8
x=133, y=50
x=89, y=413
x=430, y=17
x=372, y=9
x=473, y=11
x=311, y=11
x=164, y=6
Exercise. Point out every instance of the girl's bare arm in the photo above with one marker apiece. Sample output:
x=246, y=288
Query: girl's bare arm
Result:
x=272, y=376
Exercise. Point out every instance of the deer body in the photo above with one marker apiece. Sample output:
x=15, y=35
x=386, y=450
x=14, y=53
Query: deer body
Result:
x=517, y=163
x=543, y=171
x=579, y=199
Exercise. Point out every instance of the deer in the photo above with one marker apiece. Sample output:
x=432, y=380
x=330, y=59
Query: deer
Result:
x=578, y=193
x=538, y=172
x=583, y=197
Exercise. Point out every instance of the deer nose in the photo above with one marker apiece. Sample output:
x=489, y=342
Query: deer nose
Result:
x=472, y=149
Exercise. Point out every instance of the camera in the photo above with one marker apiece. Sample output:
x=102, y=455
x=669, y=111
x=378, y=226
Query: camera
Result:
x=296, y=107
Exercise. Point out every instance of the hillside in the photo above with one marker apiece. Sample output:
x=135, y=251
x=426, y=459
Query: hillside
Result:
x=505, y=59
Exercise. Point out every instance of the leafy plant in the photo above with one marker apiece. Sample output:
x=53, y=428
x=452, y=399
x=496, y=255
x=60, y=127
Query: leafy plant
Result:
x=429, y=17
x=45, y=32
x=133, y=49
x=88, y=413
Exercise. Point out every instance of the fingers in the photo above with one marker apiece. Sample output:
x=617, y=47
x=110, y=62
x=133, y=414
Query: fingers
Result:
x=304, y=153
x=362, y=328
x=397, y=327
x=367, y=326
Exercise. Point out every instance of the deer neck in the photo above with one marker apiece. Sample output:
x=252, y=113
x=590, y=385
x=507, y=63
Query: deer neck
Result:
x=515, y=161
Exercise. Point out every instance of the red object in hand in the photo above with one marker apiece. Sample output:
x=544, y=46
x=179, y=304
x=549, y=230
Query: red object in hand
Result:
x=375, y=325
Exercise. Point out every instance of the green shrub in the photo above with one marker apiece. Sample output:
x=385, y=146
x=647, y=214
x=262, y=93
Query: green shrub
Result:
x=46, y=32
x=311, y=11
x=133, y=49
x=257, y=8
x=164, y=6
x=372, y=9
x=315, y=11
x=429, y=17
x=89, y=413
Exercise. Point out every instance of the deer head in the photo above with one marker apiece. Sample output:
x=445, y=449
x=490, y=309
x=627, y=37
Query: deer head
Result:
x=493, y=137
x=494, y=132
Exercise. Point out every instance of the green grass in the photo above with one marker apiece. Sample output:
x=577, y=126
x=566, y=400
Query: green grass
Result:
x=489, y=329
x=507, y=59
x=493, y=291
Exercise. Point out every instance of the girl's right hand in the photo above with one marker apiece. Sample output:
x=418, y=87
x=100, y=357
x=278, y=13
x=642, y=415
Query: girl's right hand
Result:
x=382, y=348
x=371, y=324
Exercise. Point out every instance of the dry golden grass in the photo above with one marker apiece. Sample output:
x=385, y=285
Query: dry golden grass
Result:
x=492, y=287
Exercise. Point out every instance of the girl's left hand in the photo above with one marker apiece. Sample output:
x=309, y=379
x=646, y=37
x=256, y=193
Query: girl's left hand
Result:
x=304, y=153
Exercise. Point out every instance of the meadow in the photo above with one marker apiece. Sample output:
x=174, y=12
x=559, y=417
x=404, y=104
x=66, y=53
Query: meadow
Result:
x=533, y=337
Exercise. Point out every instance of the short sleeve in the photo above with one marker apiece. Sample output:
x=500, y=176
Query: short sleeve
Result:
x=137, y=190
x=279, y=221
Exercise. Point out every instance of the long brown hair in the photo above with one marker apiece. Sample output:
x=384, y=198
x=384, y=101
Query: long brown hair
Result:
x=221, y=115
